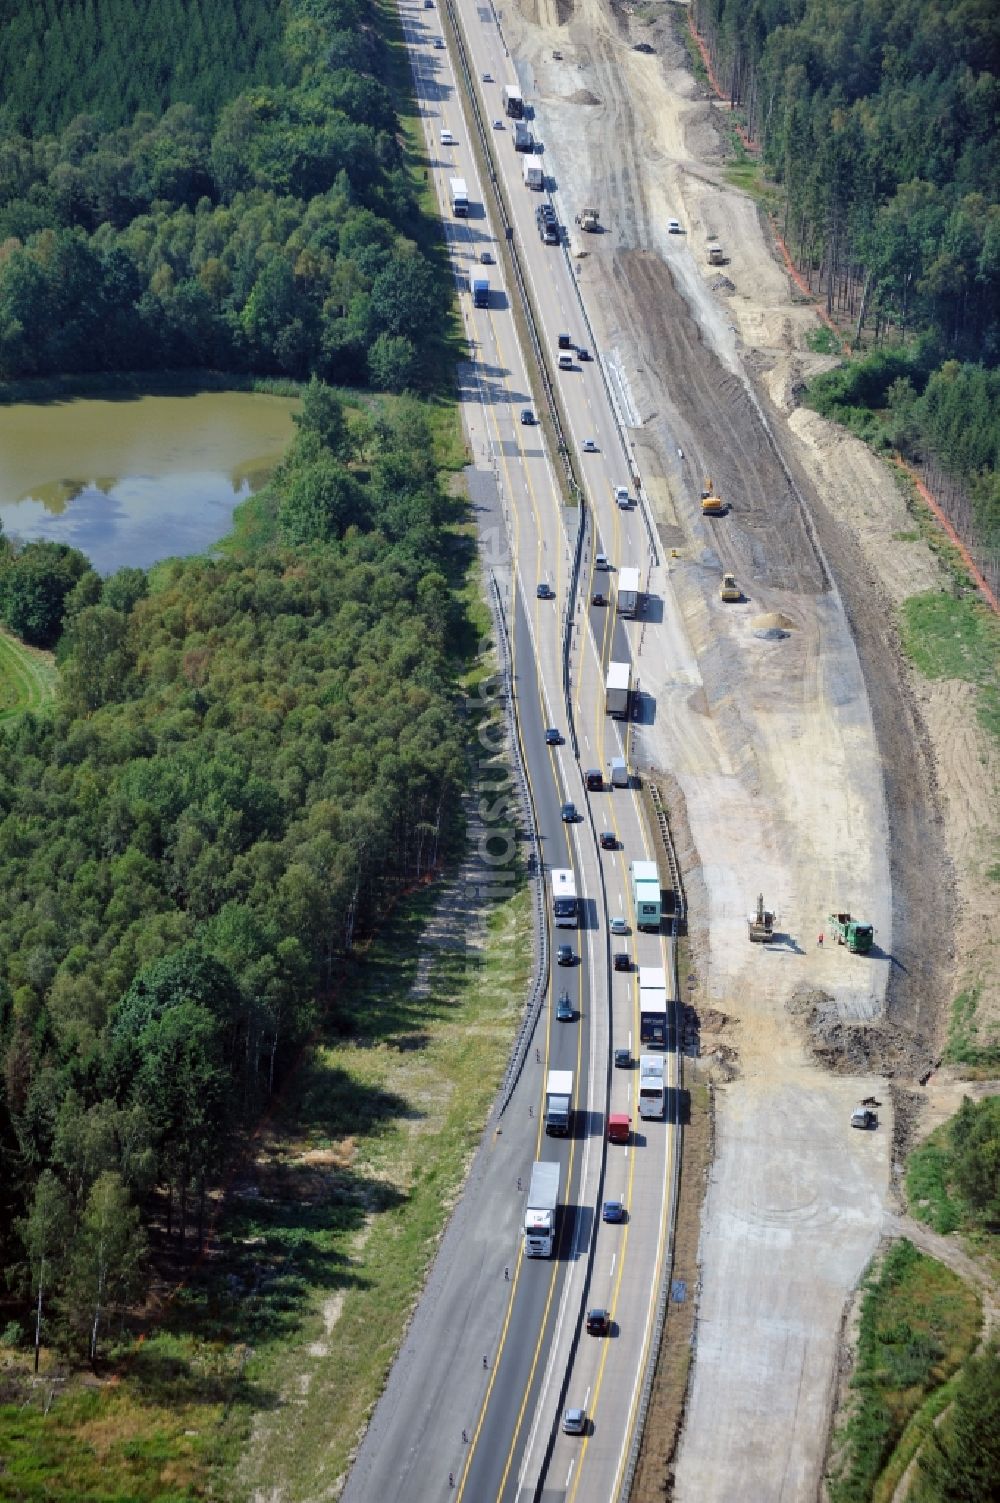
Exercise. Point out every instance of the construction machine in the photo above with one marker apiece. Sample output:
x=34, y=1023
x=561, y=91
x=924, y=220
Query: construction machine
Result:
x=588, y=219
x=712, y=505
x=761, y=926
x=713, y=251
x=845, y=930
x=730, y=590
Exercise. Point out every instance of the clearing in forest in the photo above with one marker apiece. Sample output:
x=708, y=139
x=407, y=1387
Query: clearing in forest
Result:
x=27, y=677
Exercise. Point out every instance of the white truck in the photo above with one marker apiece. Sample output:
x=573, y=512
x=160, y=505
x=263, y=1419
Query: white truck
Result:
x=459, y=197
x=513, y=102
x=628, y=592
x=540, y=1212
x=534, y=177
x=619, y=772
x=558, y=1103
x=652, y=1085
x=618, y=691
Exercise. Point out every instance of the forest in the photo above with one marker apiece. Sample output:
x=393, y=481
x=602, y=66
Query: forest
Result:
x=878, y=121
x=59, y=58
x=249, y=760
x=272, y=229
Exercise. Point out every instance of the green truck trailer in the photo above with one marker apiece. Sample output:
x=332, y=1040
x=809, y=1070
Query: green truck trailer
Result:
x=845, y=930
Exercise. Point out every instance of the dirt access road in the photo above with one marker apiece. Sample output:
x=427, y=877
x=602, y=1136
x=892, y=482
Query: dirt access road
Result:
x=800, y=750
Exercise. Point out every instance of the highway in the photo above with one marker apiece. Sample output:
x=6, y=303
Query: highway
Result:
x=496, y=1347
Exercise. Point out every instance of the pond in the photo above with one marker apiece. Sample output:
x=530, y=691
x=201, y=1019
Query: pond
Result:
x=135, y=480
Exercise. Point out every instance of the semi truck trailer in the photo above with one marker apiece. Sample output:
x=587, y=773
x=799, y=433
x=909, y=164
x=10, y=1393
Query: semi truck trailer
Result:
x=513, y=103
x=646, y=896
x=540, y=1212
x=628, y=592
x=558, y=1102
x=652, y=1085
x=653, y=1018
x=618, y=691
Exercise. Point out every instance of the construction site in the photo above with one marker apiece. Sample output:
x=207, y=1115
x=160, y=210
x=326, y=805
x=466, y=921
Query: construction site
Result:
x=831, y=807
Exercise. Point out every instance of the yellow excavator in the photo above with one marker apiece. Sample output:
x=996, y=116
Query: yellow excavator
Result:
x=712, y=505
x=761, y=926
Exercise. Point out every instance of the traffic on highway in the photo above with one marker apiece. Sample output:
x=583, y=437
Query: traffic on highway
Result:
x=525, y=1361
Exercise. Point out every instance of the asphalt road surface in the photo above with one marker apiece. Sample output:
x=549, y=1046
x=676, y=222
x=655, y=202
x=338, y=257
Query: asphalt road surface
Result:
x=496, y=1348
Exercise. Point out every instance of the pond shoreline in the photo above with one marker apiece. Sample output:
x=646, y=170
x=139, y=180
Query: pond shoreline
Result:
x=132, y=476
x=37, y=390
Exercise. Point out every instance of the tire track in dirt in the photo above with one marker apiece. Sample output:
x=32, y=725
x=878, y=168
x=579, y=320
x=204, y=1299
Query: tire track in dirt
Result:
x=764, y=535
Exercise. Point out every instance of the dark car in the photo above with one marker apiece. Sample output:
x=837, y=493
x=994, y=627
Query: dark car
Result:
x=550, y=234
x=565, y=343
x=598, y=1322
x=553, y=737
x=623, y=1059
x=569, y=814
x=613, y=1211
x=594, y=779
x=486, y=259
x=583, y=354
x=545, y=591
x=565, y=955
x=643, y=47
x=608, y=841
x=527, y=417
x=598, y=598
x=564, y=1009
x=623, y=960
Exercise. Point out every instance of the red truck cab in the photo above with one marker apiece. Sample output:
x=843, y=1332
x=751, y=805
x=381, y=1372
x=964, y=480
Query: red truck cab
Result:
x=619, y=1127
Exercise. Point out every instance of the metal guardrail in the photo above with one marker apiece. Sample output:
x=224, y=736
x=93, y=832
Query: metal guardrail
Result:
x=486, y=145
x=539, y=985
x=663, y=1293
x=571, y=589
x=668, y=846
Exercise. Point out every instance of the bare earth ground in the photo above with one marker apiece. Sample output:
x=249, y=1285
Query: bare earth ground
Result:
x=815, y=766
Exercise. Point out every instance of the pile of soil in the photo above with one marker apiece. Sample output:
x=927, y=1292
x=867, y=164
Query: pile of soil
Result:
x=583, y=96
x=847, y=1048
x=772, y=626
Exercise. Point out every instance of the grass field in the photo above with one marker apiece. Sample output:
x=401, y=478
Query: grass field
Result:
x=27, y=677
x=956, y=638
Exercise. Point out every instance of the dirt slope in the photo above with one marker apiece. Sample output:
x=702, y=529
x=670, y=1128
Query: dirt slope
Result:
x=810, y=765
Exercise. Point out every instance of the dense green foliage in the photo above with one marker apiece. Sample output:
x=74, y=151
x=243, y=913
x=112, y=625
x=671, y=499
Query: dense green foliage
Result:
x=247, y=762
x=60, y=57
x=34, y=585
x=894, y=399
x=879, y=119
x=961, y=1459
x=278, y=235
x=954, y=1177
x=918, y=1322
